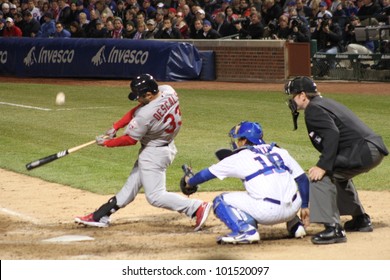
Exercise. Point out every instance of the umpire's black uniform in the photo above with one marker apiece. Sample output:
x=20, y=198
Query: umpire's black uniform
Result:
x=348, y=147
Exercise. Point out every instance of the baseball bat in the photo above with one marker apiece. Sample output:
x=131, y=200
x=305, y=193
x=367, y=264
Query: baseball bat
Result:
x=45, y=160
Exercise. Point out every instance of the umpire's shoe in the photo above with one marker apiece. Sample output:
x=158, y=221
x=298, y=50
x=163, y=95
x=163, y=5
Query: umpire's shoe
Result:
x=360, y=223
x=332, y=234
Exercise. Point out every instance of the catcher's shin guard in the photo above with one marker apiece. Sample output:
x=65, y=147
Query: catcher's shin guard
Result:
x=106, y=209
x=233, y=218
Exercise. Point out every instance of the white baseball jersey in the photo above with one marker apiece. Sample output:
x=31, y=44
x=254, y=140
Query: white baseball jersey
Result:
x=157, y=123
x=260, y=178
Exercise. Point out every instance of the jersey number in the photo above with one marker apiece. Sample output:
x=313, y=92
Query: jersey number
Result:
x=269, y=169
x=170, y=119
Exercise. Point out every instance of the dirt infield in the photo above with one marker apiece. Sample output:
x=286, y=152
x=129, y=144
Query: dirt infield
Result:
x=32, y=211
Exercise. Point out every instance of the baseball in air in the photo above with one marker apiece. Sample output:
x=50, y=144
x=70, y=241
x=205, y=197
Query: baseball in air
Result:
x=60, y=98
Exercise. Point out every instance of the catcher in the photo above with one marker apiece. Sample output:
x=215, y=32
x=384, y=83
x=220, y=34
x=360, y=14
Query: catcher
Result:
x=276, y=187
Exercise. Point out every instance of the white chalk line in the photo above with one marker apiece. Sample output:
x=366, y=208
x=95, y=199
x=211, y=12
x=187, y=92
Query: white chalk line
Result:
x=49, y=109
x=25, y=106
x=20, y=215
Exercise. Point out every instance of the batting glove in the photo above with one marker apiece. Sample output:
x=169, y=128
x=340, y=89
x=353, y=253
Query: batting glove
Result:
x=100, y=140
x=111, y=133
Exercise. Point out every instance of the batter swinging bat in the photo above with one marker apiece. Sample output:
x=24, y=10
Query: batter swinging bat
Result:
x=56, y=156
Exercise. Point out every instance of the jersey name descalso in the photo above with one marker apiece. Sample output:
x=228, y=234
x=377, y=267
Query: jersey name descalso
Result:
x=160, y=112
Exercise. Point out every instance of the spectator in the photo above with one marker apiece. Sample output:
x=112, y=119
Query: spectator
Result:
x=368, y=11
x=82, y=9
x=131, y=16
x=6, y=10
x=61, y=32
x=255, y=30
x=91, y=27
x=281, y=30
x=160, y=19
x=2, y=26
x=168, y=31
x=118, y=28
x=384, y=14
x=208, y=31
x=102, y=8
x=99, y=31
x=110, y=28
x=129, y=30
x=120, y=10
x=350, y=8
x=83, y=21
x=140, y=18
x=141, y=31
x=74, y=12
x=55, y=9
x=223, y=27
x=112, y=5
x=64, y=16
x=245, y=10
x=18, y=20
x=339, y=16
x=31, y=26
x=48, y=27
x=188, y=16
x=197, y=31
x=36, y=13
x=151, y=29
x=230, y=15
x=172, y=15
x=271, y=11
x=303, y=10
x=76, y=31
x=352, y=45
x=10, y=29
x=148, y=10
x=333, y=6
x=323, y=10
x=45, y=8
x=182, y=25
x=12, y=9
x=329, y=41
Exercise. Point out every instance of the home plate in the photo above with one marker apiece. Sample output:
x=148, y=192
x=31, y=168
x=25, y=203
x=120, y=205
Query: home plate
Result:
x=69, y=238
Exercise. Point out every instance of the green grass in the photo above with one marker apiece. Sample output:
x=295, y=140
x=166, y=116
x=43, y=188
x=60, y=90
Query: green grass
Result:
x=28, y=134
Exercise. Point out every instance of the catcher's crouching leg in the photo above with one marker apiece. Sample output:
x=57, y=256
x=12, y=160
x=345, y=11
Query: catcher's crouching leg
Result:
x=243, y=225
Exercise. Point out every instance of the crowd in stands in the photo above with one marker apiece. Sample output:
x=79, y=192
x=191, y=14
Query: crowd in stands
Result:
x=331, y=22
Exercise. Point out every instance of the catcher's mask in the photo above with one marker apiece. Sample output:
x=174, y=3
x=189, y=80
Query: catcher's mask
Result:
x=141, y=85
x=294, y=87
x=251, y=131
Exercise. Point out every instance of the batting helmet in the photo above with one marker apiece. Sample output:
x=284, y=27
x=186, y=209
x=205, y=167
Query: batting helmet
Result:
x=251, y=131
x=141, y=85
x=299, y=84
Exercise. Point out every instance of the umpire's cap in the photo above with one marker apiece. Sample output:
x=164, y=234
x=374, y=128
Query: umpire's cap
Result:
x=300, y=84
x=141, y=85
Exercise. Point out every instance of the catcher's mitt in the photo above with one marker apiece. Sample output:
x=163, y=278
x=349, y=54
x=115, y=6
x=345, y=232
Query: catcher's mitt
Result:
x=184, y=187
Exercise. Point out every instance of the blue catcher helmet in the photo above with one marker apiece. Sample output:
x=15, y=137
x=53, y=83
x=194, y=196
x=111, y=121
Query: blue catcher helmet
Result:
x=251, y=131
x=141, y=85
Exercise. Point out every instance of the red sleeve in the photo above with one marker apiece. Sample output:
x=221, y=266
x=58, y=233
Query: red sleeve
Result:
x=124, y=140
x=126, y=118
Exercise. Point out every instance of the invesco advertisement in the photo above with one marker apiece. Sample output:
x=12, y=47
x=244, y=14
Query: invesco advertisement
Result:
x=98, y=58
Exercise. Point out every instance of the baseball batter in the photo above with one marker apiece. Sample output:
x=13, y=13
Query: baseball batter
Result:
x=276, y=187
x=154, y=123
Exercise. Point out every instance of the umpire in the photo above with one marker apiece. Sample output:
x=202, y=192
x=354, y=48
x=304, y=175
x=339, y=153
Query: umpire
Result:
x=348, y=147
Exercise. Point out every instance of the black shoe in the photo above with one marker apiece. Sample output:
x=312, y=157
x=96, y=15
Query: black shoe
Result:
x=331, y=235
x=360, y=223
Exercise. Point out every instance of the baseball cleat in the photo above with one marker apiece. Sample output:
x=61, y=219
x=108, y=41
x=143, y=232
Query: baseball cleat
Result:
x=331, y=235
x=360, y=223
x=201, y=215
x=89, y=221
x=248, y=237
